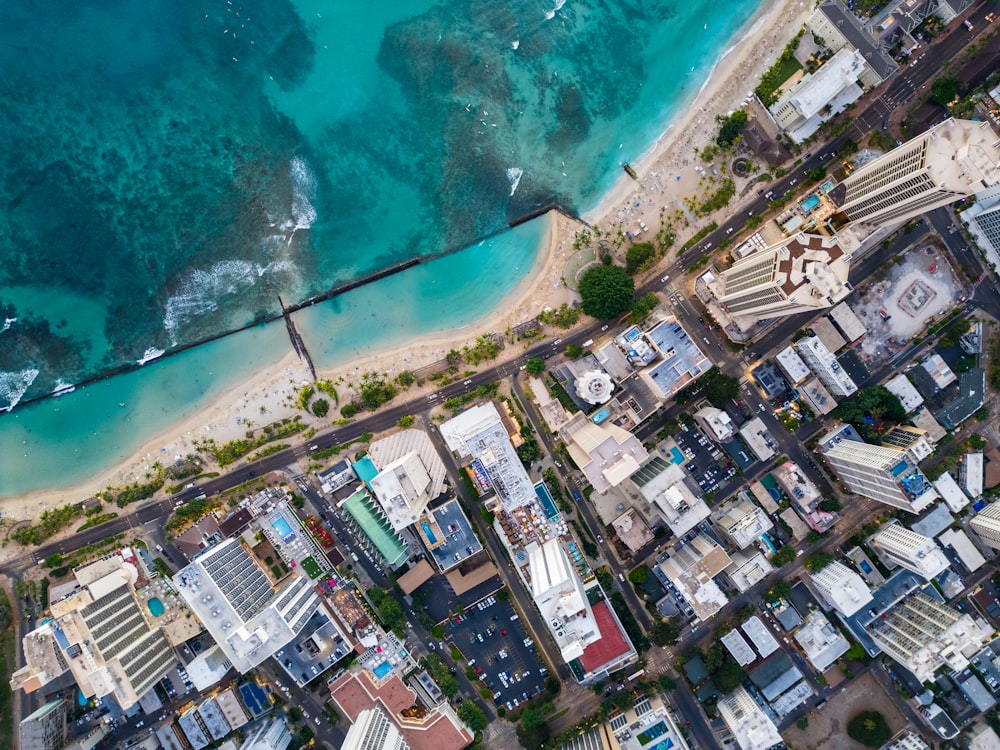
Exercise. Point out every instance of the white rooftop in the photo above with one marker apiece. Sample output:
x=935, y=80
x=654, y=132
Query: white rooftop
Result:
x=967, y=552
x=758, y=439
x=816, y=90
x=761, y=636
x=736, y=645
x=950, y=492
x=901, y=387
x=842, y=588
x=403, y=488
x=719, y=423
x=848, y=322
x=972, y=474
x=559, y=594
x=792, y=365
x=479, y=433
x=822, y=643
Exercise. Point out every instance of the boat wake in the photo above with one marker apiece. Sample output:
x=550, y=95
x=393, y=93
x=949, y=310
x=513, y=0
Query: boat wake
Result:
x=13, y=385
x=514, y=175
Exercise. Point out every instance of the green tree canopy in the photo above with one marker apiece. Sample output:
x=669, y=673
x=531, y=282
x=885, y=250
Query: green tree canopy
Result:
x=877, y=403
x=783, y=556
x=665, y=632
x=640, y=575
x=473, y=716
x=606, y=291
x=643, y=306
x=720, y=388
x=944, y=90
x=730, y=127
x=639, y=257
x=781, y=589
x=321, y=407
x=817, y=561
x=535, y=365
x=869, y=728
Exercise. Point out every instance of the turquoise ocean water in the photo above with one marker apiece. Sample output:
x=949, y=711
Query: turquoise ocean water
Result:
x=170, y=169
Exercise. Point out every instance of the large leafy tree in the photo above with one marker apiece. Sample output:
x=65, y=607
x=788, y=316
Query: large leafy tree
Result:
x=606, y=291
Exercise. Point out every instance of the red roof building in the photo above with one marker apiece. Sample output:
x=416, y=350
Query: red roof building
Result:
x=612, y=646
x=437, y=728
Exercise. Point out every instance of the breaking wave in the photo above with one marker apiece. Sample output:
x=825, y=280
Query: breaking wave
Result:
x=549, y=15
x=514, y=175
x=13, y=385
x=303, y=195
x=200, y=290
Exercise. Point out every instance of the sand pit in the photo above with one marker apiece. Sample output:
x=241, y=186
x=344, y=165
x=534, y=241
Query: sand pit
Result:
x=827, y=728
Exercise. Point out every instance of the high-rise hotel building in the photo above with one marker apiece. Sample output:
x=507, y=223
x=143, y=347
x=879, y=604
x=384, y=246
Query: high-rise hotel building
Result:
x=952, y=160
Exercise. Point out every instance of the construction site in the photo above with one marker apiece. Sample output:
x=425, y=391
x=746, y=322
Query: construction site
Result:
x=916, y=290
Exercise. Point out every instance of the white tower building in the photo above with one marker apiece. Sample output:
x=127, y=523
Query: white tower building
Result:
x=953, y=160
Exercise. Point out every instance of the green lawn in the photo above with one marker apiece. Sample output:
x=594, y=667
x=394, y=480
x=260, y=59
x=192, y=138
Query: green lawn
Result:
x=310, y=566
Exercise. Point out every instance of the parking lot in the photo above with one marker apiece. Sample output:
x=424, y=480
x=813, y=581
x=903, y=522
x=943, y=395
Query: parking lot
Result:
x=705, y=462
x=499, y=650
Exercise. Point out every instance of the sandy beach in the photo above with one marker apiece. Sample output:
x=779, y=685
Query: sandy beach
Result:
x=265, y=399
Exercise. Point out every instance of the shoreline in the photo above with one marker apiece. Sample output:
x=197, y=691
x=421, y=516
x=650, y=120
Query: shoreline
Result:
x=269, y=389
x=749, y=52
x=263, y=398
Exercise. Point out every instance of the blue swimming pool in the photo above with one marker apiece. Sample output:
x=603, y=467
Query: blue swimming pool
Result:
x=676, y=457
x=767, y=540
x=899, y=468
x=280, y=525
x=600, y=416
x=382, y=669
x=428, y=533
x=548, y=505
x=810, y=203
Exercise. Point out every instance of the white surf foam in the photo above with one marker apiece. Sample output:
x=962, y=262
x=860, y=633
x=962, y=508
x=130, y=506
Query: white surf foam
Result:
x=303, y=195
x=7, y=323
x=516, y=43
x=549, y=15
x=514, y=175
x=62, y=388
x=200, y=290
x=149, y=355
x=13, y=385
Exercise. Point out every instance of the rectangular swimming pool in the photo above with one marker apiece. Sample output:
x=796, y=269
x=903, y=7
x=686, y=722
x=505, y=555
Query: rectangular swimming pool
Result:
x=548, y=505
x=281, y=526
x=428, y=532
x=382, y=669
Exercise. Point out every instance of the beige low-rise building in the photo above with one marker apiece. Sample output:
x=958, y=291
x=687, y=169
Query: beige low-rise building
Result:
x=692, y=567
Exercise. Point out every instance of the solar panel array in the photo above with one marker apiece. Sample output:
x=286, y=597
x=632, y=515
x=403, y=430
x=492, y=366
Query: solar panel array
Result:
x=115, y=622
x=240, y=580
x=147, y=661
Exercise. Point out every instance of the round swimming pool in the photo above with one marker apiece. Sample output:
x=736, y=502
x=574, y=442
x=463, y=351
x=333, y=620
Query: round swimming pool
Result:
x=155, y=607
